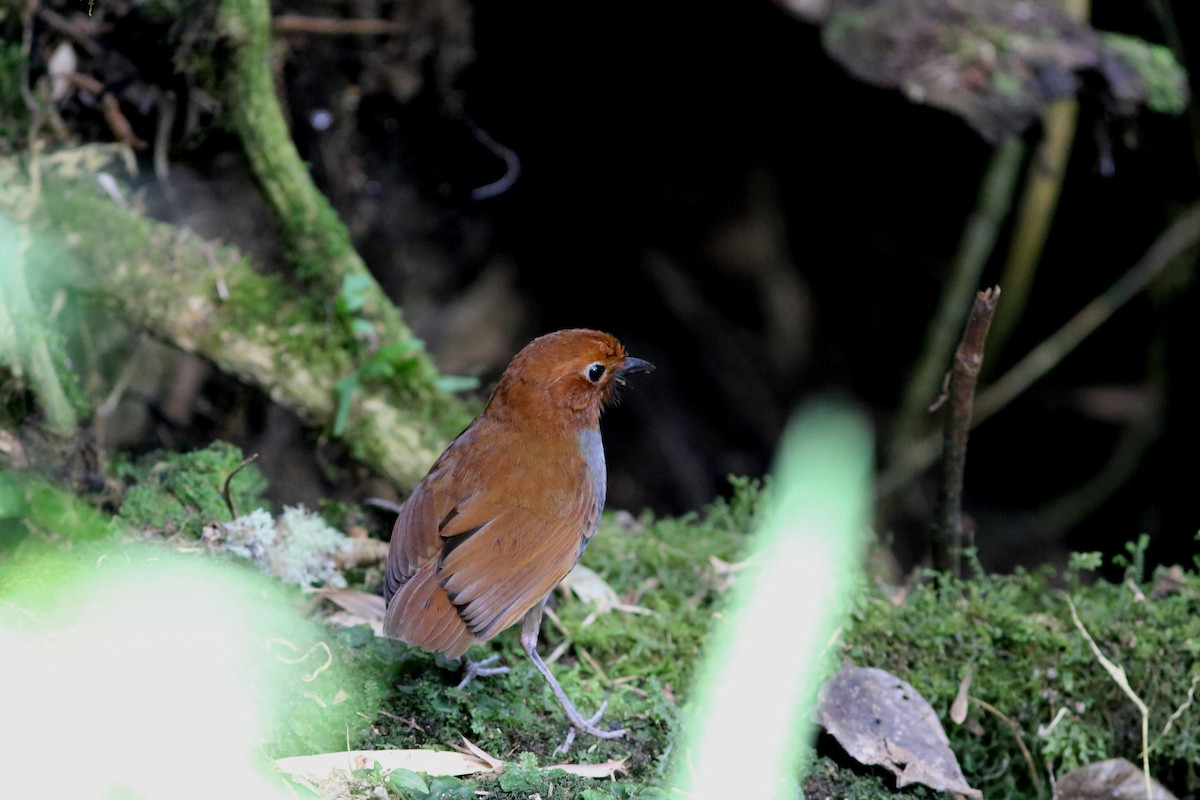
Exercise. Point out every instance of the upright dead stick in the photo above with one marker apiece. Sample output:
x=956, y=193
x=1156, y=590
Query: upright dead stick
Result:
x=968, y=358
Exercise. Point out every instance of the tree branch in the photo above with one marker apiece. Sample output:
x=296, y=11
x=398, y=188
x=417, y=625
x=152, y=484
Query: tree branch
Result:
x=209, y=300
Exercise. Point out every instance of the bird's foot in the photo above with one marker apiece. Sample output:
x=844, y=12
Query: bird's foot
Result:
x=479, y=669
x=588, y=726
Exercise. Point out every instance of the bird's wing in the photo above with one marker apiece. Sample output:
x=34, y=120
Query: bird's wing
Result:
x=467, y=561
x=415, y=538
x=496, y=566
x=418, y=610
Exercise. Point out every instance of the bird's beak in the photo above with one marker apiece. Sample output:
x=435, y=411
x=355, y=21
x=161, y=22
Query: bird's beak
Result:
x=630, y=364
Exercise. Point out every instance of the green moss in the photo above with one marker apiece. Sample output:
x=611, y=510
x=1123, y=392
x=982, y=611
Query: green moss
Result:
x=34, y=507
x=670, y=564
x=1164, y=78
x=1014, y=633
x=182, y=492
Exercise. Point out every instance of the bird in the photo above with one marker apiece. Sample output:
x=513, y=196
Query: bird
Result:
x=509, y=508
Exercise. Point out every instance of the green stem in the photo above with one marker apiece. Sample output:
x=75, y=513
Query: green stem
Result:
x=23, y=340
x=974, y=249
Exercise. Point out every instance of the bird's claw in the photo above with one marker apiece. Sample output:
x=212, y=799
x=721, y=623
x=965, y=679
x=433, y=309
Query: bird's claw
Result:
x=588, y=726
x=479, y=669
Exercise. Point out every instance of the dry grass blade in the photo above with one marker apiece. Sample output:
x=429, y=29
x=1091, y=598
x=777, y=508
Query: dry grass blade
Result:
x=1118, y=674
x=1016, y=732
x=1191, y=697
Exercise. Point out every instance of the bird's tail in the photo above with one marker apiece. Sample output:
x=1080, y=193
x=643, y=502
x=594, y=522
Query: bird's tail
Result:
x=421, y=614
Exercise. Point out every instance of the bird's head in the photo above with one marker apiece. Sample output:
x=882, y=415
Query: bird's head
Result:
x=566, y=377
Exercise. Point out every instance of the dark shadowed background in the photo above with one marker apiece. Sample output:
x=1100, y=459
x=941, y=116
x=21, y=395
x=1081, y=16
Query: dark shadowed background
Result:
x=705, y=182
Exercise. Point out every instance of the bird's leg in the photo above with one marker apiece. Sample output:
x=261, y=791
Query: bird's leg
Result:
x=530, y=626
x=478, y=669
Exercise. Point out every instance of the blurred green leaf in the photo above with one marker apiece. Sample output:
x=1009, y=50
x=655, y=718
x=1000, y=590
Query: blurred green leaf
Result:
x=407, y=781
x=353, y=296
x=345, y=390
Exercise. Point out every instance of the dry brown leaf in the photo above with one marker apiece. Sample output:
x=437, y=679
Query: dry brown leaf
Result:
x=880, y=719
x=1114, y=779
x=361, y=604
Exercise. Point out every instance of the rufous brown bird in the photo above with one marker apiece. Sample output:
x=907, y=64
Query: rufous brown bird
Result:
x=508, y=508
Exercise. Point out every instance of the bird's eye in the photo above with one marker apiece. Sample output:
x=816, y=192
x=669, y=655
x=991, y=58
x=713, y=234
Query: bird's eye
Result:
x=595, y=372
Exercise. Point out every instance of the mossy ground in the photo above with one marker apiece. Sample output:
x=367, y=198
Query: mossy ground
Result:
x=1012, y=633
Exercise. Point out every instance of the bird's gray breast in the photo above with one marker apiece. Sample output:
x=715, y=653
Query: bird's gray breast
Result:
x=593, y=455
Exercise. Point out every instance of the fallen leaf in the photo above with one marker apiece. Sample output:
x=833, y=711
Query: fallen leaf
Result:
x=482, y=754
x=471, y=760
x=958, y=709
x=370, y=607
x=594, y=591
x=346, y=619
x=880, y=719
x=589, y=587
x=431, y=762
x=1114, y=779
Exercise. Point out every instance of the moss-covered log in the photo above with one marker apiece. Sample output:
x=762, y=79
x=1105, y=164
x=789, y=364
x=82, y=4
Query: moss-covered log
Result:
x=208, y=299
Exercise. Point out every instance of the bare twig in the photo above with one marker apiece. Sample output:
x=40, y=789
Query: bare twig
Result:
x=225, y=489
x=118, y=123
x=947, y=534
x=512, y=164
x=68, y=28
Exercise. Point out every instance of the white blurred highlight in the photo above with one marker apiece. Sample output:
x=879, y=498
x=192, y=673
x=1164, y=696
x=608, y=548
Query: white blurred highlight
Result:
x=759, y=680
x=133, y=681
